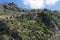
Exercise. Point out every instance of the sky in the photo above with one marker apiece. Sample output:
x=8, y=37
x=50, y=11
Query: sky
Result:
x=36, y=4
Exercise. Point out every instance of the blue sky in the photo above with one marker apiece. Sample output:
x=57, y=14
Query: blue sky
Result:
x=31, y=4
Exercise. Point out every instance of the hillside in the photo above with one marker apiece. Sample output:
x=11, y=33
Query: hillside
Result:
x=18, y=23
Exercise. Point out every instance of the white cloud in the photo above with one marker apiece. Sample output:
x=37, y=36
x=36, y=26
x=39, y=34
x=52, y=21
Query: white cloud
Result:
x=51, y=2
x=38, y=4
x=35, y=4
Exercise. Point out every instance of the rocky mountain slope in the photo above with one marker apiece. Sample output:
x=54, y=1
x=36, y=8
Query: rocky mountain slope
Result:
x=17, y=23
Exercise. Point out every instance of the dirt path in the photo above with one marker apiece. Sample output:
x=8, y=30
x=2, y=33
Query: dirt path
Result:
x=3, y=16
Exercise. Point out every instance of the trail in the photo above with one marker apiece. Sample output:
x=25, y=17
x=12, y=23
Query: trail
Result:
x=3, y=17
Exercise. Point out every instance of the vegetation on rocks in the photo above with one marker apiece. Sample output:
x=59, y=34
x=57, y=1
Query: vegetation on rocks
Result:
x=17, y=23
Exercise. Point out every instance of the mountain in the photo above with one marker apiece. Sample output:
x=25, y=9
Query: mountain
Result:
x=18, y=23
